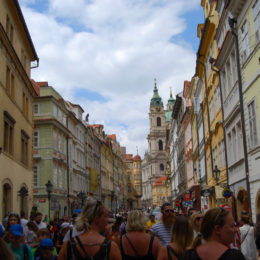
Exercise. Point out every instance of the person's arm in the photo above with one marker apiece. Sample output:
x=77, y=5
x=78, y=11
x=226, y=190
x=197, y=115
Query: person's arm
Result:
x=163, y=255
x=63, y=251
x=114, y=252
x=156, y=247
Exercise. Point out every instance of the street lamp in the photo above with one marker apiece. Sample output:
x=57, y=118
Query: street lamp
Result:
x=49, y=188
x=216, y=173
x=82, y=196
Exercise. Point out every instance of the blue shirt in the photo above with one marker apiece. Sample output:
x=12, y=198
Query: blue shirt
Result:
x=162, y=232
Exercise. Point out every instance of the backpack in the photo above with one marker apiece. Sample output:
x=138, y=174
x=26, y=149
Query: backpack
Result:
x=25, y=252
x=74, y=254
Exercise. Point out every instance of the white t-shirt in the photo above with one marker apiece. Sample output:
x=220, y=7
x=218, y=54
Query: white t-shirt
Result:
x=41, y=225
x=75, y=232
x=24, y=222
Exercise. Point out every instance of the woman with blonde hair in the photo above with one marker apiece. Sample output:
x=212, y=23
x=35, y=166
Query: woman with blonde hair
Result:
x=90, y=244
x=182, y=237
x=136, y=243
x=195, y=220
x=218, y=230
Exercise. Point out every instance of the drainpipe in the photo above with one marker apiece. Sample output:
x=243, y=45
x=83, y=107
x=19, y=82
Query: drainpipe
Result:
x=68, y=175
x=232, y=23
x=212, y=60
x=207, y=103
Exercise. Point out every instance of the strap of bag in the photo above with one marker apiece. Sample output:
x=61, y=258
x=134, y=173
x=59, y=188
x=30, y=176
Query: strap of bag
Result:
x=170, y=249
x=151, y=245
x=82, y=247
x=130, y=243
x=25, y=252
x=245, y=235
x=169, y=255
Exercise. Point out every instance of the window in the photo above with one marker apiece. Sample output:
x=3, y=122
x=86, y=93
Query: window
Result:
x=36, y=138
x=252, y=125
x=211, y=110
x=129, y=189
x=35, y=176
x=25, y=105
x=215, y=156
x=54, y=110
x=55, y=177
x=159, y=121
x=129, y=177
x=10, y=82
x=161, y=167
x=245, y=41
x=23, y=58
x=9, y=29
x=217, y=99
x=160, y=145
x=8, y=132
x=256, y=17
x=24, y=147
x=36, y=109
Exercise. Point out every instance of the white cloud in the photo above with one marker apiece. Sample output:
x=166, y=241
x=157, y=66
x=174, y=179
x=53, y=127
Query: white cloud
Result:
x=119, y=48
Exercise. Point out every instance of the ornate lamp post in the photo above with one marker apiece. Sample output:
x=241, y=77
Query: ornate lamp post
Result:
x=82, y=196
x=216, y=173
x=49, y=188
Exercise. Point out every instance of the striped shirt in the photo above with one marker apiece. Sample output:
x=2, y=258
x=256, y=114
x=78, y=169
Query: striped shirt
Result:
x=162, y=232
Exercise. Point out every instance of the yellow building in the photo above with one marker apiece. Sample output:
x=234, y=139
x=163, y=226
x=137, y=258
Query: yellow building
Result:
x=212, y=111
x=16, y=114
x=160, y=191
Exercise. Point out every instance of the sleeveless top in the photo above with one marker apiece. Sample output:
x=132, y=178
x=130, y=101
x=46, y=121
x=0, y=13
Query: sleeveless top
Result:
x=229, y=254
x=148, y=256
x=171, y=250
x=73, y=252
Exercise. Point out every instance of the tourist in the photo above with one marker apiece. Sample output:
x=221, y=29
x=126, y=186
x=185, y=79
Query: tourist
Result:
x=5, y=252
x=196, y=220
x=13, y=219
x=181, y=240
x=136, y=243
x=38, y=221
x=162, y=229
x=218, y=230
x=46, y=250
x=152, y=221
x=90, y=244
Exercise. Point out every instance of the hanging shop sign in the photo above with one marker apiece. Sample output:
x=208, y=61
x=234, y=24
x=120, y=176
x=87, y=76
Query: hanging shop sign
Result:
x=187, y=196
x=227, y=193
x=177, y=203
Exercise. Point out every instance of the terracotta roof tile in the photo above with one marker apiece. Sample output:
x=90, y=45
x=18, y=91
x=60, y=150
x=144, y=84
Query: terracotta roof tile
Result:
x=160, y=181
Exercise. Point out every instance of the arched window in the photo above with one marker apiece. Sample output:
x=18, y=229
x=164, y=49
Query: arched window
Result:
x=160, y=145
x=159, y=123
x=161, y=167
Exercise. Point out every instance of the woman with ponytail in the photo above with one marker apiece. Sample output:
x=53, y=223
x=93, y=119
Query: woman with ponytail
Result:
x=218, y=230
x=90, y=244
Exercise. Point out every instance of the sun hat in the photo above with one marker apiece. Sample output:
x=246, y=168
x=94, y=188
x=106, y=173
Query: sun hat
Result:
x=17, y=230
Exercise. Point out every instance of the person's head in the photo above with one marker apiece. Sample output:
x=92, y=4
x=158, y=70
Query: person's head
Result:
x=38, y=217
x=23, y=215
x=5, y=252
x=32, y=226
x=13, y=218
x=65, y=227
x=191, y=211
x=16, y=235
x=125, y=216
x=93, y=215
x=217, y=224
x=152, y=217
x=182, y=234
x=42, y=234
x=196, y=220
x=167, y=214
x=245, y=217
x=136, y=221
x=46, y=249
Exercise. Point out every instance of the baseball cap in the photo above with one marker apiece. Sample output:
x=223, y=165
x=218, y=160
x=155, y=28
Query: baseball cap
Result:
x=77, y=211
x=65, y=225
x=47, y=242
x=2, y=232
x=17, y=230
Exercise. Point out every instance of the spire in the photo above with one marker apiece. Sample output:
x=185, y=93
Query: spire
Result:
x=171, y=100
x=170, y=92
x=156, y=99
x=137, y=150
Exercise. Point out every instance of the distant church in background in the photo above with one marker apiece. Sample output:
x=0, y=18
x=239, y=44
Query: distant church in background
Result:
x=154, y=164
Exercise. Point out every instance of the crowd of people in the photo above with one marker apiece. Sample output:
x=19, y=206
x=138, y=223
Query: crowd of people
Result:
x=95, y=233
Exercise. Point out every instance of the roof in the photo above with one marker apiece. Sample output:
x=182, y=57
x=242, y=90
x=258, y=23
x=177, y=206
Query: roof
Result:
x=129, y=157
x=160, y=181
x=113, y=136
x=156, y=99
x=137, y=158
x=36, y=87
x=96, y=125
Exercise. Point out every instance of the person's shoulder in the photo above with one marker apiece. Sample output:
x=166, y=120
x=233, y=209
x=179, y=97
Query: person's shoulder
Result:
x=190, y=254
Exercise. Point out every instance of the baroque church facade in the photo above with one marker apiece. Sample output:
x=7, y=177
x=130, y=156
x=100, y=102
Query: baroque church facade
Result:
x=154, y=164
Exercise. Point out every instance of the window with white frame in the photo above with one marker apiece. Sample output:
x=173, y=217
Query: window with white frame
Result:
x=211, y=110
x=215, y=157
x=252, y=125
x=55, y=175
x=36, y=109
x=36, y=138
x=35, y=175
x=234, y=137
x=221, y=148
x=54, y=110
x=217, y=99
x=245, y=41
x=229, y=148
x=256, y=17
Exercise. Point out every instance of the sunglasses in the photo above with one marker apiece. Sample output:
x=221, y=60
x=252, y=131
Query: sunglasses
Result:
x=199, y=218
x=169, y=211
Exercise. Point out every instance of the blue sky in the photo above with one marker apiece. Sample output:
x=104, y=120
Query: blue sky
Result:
x=105, y=54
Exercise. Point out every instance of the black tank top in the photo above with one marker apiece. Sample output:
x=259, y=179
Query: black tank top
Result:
x=148, y=256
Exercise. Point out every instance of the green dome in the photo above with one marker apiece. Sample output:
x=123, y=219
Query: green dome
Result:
x=156, y=99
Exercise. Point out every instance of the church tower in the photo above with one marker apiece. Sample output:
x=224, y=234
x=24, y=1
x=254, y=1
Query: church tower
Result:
x=157, y=137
